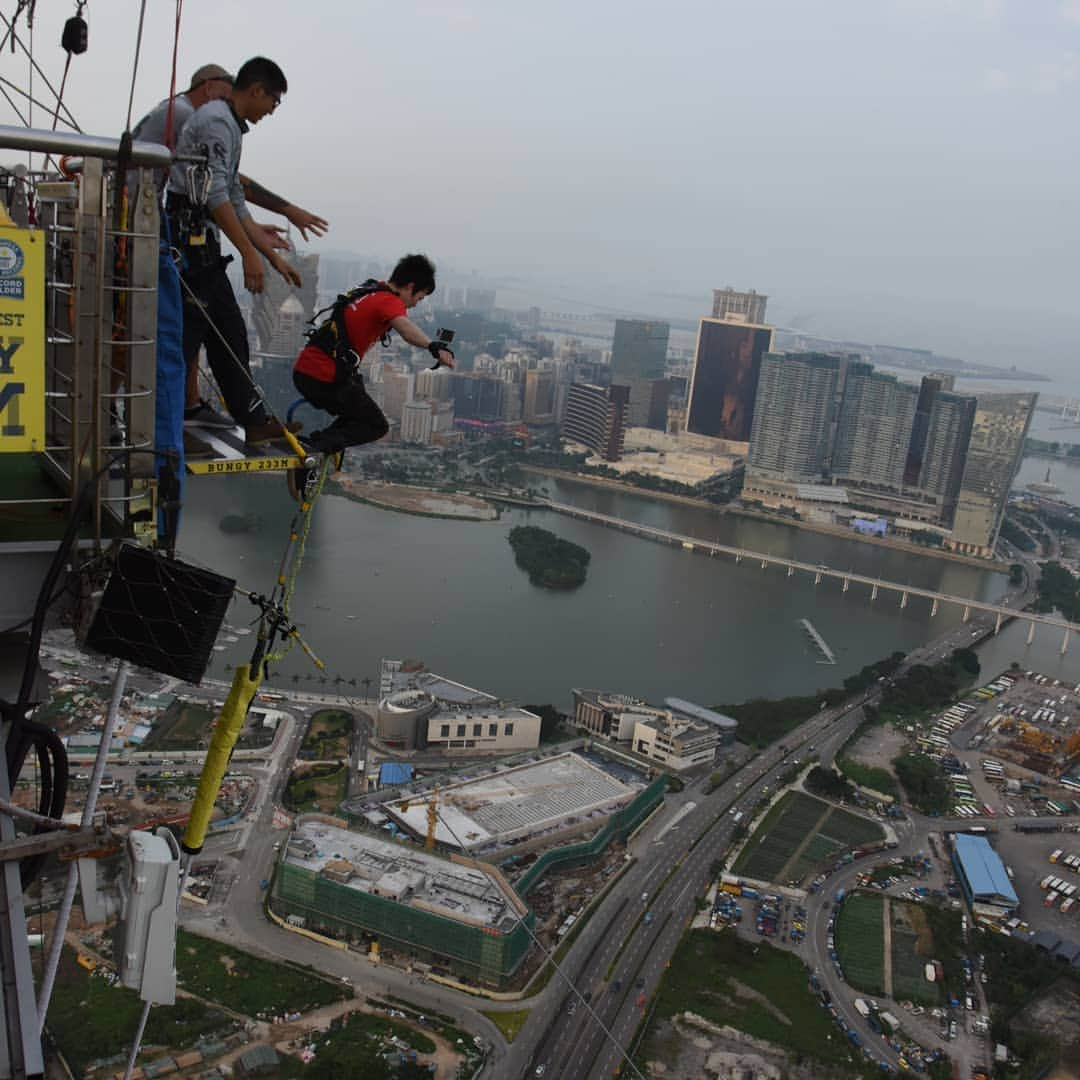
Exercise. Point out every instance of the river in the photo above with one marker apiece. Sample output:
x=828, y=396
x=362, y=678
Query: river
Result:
x=651, y=620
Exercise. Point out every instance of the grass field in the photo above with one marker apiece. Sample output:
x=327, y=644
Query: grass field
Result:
x=247, y=983
x=723, y=978
x=183, y=726
x=90, y=1019
x=305, y=792
x=912, y=945
x=869, y=776
x=328, y=735
x=785, y=827
x=783, y=834
x=860, y=941
x=509, y=1022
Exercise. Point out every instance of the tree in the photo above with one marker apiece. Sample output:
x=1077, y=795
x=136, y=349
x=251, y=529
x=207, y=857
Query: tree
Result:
x=366, y=684
x=967, y=660
x=550, y=720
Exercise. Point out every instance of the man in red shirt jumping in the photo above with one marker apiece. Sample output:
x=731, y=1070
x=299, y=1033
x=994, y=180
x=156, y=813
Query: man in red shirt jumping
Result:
x=327, y=371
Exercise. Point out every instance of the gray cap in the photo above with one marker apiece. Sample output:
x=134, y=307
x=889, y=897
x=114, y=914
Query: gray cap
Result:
x=208, y=72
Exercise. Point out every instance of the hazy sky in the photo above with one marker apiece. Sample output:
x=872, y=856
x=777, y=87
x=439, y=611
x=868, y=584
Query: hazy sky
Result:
x=893, y=170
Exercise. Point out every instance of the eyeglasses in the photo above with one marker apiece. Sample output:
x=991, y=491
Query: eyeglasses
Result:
x=276, y=99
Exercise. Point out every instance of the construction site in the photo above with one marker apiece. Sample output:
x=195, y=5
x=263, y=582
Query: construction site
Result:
x=452, y=913
x=1034, y=723
x=506, y=809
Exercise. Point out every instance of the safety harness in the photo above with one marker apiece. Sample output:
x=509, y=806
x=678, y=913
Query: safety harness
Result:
x=329, y=334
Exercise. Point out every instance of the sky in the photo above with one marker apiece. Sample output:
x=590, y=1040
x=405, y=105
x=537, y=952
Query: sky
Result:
x=899, y=171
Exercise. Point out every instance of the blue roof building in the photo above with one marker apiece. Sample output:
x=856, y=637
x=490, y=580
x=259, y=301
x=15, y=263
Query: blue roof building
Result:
x=982, y=873
x=394, y=773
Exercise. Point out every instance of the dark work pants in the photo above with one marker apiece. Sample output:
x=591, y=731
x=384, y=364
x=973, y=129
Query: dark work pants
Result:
x=232, y=373
x=359, y=419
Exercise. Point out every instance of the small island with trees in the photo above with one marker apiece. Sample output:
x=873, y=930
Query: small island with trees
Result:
x=550, y=562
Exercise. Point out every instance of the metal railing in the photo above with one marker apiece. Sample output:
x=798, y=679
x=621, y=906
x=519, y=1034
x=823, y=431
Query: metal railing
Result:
x=101, y=229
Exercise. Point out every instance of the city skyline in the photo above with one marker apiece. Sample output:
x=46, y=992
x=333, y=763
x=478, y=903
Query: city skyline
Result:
x=903, y=222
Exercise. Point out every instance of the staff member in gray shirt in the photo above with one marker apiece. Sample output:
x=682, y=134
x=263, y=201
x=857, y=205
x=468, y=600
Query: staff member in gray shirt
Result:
x=213, y=83
x=217, y=130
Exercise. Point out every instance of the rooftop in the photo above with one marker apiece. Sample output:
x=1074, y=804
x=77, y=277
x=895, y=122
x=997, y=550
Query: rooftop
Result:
x=698, y=712
x=511, y=803
x=984, y=870
x=467, y=893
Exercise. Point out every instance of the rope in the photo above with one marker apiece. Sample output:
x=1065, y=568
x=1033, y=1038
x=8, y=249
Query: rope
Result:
x=287, y=435
x=135, y=65
x=550, y=955
x=170, y=135
x=69, y=118
x=293, y=557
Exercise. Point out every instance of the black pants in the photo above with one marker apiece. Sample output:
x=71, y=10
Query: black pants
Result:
x=359, y=419
x=231, y=364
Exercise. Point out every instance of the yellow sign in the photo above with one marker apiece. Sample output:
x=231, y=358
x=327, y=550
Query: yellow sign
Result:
x=22, y=340
x=238, y=466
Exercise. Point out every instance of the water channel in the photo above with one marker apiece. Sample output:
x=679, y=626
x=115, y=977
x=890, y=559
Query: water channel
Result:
x=651, y=620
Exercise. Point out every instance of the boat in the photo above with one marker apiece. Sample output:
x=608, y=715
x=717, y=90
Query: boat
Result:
x=1044, y=487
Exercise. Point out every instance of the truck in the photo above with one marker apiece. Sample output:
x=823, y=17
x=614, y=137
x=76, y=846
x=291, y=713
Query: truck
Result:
x=890, y=1020
x=861, y=1008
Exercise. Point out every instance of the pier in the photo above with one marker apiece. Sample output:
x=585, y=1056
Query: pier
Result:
x=819, y=641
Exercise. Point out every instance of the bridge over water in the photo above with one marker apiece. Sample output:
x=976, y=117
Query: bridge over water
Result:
x=847, y=578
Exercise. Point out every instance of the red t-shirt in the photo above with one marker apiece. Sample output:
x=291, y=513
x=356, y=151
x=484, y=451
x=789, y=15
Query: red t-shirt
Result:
x=366, y=320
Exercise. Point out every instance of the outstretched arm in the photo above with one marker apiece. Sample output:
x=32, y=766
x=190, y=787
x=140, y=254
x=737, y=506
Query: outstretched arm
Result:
x=304, y=220
x=412, y=333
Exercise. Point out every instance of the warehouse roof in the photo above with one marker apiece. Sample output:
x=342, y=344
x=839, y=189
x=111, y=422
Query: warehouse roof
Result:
x=984, y=870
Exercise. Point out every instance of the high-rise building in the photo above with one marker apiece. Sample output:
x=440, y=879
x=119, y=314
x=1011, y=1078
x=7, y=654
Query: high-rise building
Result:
x=994, y=451
x=795, y=415
x=434, y=384
x=739, y=306
x=539, y=396
x=724, y=379
x=596, y=418
x=931, y=386
x=873, y=430
x=477, y=397
x=638, y=353
x=279, y=325
x=944, y=450
x=416, y=422
x=397, y=392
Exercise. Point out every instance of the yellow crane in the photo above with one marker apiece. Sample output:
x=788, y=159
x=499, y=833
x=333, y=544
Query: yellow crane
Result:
x=432, y=803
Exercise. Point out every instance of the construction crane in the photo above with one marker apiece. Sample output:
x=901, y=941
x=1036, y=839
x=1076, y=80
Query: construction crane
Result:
x=432, y=804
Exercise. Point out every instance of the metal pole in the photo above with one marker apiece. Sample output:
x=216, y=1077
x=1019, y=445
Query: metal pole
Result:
x=138, y=1041
x=56, y=946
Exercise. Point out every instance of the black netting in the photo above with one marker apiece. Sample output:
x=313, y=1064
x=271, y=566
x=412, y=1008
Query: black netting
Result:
x=160, y=613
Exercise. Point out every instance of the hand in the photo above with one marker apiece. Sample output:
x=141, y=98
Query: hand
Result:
x=444, y=359
x=275, y=237
x=254, y=274
x=304, y=220
x=286, y=270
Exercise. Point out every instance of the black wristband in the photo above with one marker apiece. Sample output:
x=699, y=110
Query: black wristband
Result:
x=436, y=347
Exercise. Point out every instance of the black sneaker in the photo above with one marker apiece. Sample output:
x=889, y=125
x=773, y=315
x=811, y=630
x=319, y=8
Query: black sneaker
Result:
x=205, y=415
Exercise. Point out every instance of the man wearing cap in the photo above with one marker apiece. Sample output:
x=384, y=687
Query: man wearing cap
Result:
x=212, y=83
x=209, y=83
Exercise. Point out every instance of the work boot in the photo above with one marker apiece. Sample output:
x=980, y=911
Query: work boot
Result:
x=268, y=431
x=196, y=448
